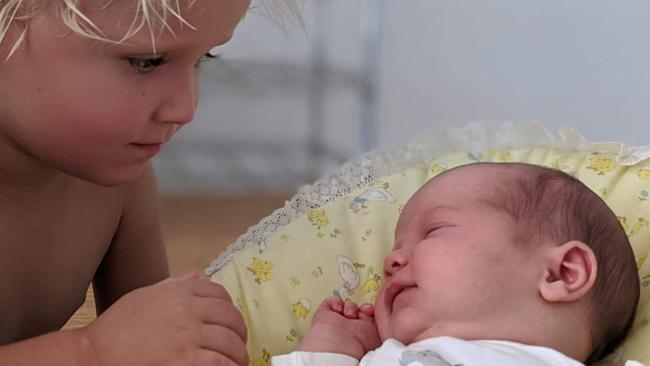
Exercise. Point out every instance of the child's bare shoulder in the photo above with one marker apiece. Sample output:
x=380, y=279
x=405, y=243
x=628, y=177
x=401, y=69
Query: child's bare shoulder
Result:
x=55, y=243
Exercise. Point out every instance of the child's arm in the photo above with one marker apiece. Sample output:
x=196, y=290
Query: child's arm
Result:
x=342, y=327
x=177, y=321
x=180, y=321
x=69, y=348
x=136, y=257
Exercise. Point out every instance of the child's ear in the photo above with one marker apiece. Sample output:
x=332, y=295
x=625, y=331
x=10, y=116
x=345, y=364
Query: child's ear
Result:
x=569, y=274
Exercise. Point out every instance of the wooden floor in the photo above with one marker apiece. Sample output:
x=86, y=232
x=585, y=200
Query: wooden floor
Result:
x=196, y=230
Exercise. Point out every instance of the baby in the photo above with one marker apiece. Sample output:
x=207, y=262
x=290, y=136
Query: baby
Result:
x=493, y=264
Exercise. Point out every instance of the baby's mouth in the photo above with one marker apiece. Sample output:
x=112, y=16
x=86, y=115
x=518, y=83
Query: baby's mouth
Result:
x=393, y=292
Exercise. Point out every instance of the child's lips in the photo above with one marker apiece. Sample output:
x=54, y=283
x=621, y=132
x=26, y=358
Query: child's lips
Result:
x=148, y=149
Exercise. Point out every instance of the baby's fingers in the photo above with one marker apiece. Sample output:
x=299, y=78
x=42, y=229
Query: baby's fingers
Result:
x=333, y=303
x=350, y=310
x=366, y=311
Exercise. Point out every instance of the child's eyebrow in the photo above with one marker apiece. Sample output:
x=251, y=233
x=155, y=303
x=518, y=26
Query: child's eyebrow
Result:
x=165, y=49
x=183, y=43
x=142, y=43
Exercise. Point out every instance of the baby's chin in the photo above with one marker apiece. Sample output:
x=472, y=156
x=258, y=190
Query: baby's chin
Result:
x=403, y=336
x=406, y=325
x=403, y=331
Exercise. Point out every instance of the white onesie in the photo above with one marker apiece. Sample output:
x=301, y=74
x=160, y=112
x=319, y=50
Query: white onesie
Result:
x=440, y=351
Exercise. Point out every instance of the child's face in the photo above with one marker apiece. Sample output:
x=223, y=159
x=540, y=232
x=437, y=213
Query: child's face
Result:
x=454, y=265
x=100, y=111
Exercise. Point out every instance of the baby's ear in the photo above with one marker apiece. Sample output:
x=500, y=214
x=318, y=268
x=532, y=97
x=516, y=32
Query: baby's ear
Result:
x=569, y=274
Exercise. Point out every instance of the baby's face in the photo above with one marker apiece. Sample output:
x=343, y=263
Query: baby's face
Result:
x=454, y=265
x=100, y=111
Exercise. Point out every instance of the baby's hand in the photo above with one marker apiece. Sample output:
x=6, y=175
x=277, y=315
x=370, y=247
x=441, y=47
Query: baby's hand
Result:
x=342, y=327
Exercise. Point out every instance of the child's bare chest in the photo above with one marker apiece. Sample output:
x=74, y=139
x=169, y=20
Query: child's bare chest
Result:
x=48, y=256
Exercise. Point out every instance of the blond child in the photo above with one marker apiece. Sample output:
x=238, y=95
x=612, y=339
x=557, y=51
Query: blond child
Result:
x=493, y=264
x=89, y=91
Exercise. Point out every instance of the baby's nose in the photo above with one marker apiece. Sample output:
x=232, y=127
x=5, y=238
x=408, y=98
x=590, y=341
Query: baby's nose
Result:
x=395, y=261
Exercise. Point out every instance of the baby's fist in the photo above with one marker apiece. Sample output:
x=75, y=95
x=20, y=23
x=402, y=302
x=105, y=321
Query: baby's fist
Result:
x=342, y=327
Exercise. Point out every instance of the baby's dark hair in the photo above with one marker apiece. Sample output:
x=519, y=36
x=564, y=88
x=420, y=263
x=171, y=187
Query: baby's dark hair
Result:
x=550, y=205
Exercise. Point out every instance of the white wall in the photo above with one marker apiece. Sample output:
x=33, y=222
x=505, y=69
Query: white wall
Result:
x=580, y=63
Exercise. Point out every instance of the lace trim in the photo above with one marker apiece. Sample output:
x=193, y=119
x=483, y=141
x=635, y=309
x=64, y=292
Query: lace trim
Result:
x=365, y=171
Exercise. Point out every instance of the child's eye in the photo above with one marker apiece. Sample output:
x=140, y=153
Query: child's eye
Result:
x=205, y=58
x=144, y=65
x=147, y=64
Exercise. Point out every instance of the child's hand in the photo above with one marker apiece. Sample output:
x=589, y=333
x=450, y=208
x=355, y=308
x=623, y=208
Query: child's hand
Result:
x=342, y=327
x=179, y=321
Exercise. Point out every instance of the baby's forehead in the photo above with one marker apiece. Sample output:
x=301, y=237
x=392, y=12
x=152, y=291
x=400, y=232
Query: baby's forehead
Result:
x=479, y=171
x=468, y=181
x=474, y=189
x=443, y=204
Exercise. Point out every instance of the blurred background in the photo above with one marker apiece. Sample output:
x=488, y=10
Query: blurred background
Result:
x=281, y=107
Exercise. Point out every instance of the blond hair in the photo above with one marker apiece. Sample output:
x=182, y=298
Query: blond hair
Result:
x=148, y=14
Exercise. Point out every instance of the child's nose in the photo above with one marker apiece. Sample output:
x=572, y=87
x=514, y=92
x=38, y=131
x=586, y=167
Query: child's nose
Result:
x=180, y=102
x=395, y=261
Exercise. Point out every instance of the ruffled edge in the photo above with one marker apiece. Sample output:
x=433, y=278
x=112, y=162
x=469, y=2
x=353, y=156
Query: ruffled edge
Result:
x=473, y=138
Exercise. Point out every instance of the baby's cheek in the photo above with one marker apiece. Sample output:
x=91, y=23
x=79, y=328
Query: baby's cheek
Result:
x=382, y=317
